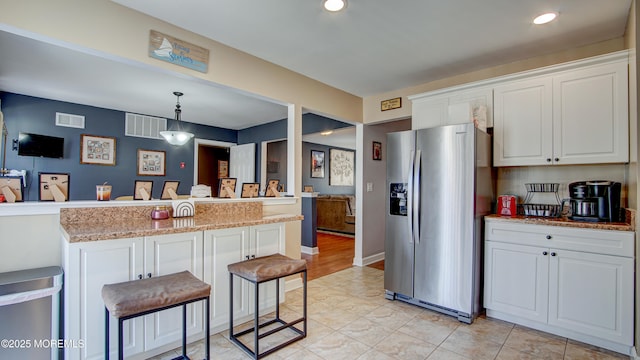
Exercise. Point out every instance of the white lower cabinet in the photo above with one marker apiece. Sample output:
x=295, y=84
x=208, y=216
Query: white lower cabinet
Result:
x=90, y=265
x=576, y=283
x=227, y=246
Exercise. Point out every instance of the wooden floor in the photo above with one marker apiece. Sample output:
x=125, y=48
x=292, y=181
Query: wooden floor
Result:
x=336, y=253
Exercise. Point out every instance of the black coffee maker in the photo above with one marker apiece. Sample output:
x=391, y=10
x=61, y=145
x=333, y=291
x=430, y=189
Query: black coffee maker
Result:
x=595, y=200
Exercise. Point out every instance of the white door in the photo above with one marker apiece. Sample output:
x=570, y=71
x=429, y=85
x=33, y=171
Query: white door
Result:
x=242, y=164
x=168, y=254
x=91, y=265
x=516, y=280
x=592, y=294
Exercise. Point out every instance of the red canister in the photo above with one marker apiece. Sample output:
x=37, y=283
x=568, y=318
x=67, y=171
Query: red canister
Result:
x=160, y=213
x=507, y=205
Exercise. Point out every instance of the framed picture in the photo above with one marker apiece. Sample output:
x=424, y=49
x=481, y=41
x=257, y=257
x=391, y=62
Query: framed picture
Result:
x=223, y=169
x=227, y=188
x=377, y=150
x=317, y=164
x=99, y=150
x=11, y=188
x=341, y=167
x=307, y=188
x=272, y=188
x=250, y=190
x=169, y=189
x=151, y=162
x=142, y=190
x=53, y=186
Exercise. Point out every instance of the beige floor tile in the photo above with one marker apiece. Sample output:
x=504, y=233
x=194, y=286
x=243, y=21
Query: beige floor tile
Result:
x=490, y=329
x=374, y=354
x=429, y=328
x=471, y=345
x=443, y=354
x=401, y=346
x=578, y=351
x=366, y=331
x=537, y=343
x=507, y=353
x=389, y=317
x=337, y=347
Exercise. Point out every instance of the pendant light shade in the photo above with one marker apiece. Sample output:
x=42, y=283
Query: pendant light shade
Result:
x=177, y=137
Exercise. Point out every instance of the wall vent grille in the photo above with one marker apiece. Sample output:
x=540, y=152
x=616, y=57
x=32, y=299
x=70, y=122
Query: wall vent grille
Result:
x=70, y=120
x=144, y=126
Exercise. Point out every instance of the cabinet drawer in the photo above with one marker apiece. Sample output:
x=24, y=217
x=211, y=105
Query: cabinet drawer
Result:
x=609, y=242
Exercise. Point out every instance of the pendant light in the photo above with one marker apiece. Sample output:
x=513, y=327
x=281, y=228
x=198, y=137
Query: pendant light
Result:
x=177, y=137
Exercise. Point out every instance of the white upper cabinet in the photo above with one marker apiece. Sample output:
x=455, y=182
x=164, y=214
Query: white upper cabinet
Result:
x=573, y=116
x=523, y=131
x=452, y=107
x=590, y=115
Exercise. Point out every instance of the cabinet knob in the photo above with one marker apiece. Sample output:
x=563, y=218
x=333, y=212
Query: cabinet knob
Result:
x=148, y=275
x=544, y=253
x=548, y=159
x=140, y=276
x=247, y=257
x=556, y=159
x=548, y=237
x=553, y=254
x=253, y=256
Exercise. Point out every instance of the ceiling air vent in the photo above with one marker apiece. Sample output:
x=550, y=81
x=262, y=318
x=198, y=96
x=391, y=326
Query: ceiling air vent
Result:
x=144, y=126
x=70, y=120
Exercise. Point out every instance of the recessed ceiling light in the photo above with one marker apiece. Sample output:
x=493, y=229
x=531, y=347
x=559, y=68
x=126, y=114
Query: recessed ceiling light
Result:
x=334, y=5
x=327, y=132
x=544, y=18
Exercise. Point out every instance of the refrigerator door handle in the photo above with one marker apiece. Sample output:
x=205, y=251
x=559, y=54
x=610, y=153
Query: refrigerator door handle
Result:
x=415, y=210
x=410, y=197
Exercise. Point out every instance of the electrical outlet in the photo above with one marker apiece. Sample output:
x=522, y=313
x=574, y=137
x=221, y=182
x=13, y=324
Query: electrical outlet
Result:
x=369, y=187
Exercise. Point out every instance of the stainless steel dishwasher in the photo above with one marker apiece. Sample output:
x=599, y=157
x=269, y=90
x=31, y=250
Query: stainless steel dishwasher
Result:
x=30, y=303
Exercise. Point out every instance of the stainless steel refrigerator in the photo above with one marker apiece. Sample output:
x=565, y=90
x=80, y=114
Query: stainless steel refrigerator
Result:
x=439, y=186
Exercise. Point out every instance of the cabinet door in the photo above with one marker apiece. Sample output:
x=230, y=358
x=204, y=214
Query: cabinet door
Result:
x=465, y=105
x=266, y=240
x=516, y=280
x=429, y=112
x=88, y=267
x=523, y=123
x=592, y=294
x=590, y=114
x=167, y=254
x=221, y=248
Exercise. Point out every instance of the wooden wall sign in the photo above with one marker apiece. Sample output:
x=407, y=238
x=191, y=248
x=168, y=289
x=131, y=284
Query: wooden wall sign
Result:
x=167, y=48
x=390, y=104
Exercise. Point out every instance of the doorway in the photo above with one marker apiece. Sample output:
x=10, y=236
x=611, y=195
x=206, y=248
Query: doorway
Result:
x=213, y=164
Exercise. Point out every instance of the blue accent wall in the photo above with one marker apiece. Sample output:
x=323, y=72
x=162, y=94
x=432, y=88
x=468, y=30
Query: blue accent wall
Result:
x=36, y=115
x=311, y=123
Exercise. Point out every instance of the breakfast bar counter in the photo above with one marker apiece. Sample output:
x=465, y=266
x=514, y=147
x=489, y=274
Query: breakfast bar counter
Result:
x=95, y=224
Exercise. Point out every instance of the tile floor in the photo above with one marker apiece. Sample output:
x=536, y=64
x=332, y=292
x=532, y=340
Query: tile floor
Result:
x=350, y=319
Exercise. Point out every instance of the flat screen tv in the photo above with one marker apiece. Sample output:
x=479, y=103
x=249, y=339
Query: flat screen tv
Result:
x=40, y=145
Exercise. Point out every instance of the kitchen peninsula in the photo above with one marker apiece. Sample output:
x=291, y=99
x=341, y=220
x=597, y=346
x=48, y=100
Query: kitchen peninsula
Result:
x=121, y=243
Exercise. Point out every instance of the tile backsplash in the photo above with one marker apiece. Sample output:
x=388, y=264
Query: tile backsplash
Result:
x=512, y=180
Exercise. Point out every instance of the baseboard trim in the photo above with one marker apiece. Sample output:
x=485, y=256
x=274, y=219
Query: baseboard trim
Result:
x=310, y=250
x=373, y=259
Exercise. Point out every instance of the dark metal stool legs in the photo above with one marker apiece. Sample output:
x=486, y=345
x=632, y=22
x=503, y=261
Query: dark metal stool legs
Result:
x=256, y=354
x=184, y=328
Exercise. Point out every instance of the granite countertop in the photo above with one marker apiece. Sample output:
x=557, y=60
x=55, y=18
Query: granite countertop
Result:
x=628, y=225
x=94, y=224
x=118, y=229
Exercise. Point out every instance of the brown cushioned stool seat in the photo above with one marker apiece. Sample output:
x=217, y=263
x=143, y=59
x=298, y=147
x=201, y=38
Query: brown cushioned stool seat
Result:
x=135, y=298
x=260, y=270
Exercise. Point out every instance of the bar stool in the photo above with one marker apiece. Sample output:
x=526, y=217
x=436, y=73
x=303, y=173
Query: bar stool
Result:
x=257, y=271
x=135, y=298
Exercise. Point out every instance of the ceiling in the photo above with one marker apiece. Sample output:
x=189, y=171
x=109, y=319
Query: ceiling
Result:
x=373, y=46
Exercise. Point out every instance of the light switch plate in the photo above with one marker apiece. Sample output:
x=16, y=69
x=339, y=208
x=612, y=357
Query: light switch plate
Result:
x=369, y=187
